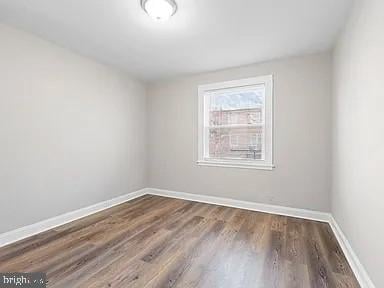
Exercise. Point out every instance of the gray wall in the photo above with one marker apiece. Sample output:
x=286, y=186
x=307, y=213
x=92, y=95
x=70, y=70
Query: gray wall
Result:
x=358, y=146
x=302, y=144
x=72, y=132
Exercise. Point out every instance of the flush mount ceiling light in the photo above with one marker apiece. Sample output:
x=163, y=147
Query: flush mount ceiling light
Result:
x=159, y=9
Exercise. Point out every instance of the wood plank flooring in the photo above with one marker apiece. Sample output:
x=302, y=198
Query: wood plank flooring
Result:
x=162, y=242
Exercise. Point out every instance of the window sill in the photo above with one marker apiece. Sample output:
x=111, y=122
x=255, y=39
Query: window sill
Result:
x=234, y=164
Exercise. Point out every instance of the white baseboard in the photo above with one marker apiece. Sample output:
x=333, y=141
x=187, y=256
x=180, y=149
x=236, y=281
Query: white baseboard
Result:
x=273, y=209
x=353, y=260
x=30, y=230
x=357, y=268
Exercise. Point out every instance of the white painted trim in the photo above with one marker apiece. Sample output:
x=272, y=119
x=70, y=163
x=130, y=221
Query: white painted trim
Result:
x=233, y=164
x=267, y=163
x=33, y=229
x=273, y=209
x=357, y=268
x=236, y=83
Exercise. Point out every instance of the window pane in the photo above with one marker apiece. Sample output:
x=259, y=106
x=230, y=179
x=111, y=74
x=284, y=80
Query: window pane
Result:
x=236, y=123
x=236, y=143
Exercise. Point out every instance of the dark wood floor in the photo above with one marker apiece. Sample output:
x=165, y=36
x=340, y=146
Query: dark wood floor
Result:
x=162, y=242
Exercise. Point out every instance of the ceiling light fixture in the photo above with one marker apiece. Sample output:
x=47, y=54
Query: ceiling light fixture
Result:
x=159, y=9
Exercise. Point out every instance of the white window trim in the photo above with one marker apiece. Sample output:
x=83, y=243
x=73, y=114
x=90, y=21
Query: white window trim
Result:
x=267, y=163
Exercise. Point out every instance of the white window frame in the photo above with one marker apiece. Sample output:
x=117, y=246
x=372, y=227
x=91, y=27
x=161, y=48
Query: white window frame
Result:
x=203, y=137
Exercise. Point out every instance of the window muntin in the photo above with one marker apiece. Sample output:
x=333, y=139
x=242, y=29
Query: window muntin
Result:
x=235, y=123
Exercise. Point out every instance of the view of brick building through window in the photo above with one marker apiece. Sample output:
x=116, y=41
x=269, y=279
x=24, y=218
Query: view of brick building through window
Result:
x=236, y=125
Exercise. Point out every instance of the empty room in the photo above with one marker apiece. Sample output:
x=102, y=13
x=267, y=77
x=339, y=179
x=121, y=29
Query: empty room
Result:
x=192, y=143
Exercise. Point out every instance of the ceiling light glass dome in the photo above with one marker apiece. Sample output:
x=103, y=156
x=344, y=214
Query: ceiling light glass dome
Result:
x=159, y=9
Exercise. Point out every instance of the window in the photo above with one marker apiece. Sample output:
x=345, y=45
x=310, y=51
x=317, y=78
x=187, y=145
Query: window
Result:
x=235, y=123
x=234, y=140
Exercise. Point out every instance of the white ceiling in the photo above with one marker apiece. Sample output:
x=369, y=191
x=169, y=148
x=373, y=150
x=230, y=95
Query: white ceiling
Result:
x=203, y=35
